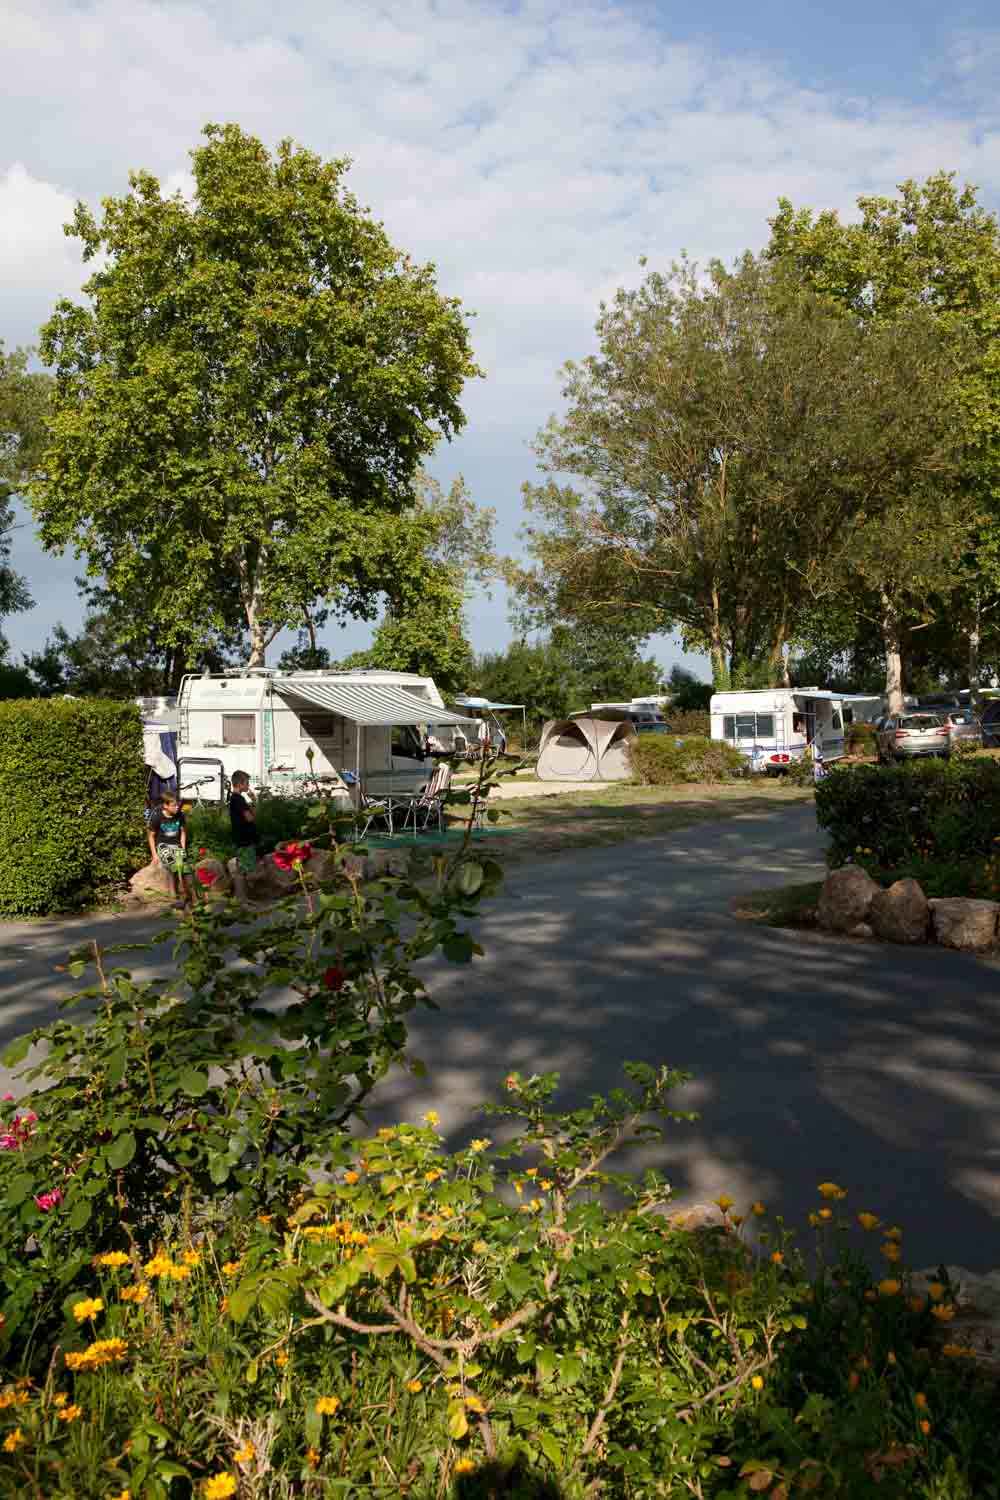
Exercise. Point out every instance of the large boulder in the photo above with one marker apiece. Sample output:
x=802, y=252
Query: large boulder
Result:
x=960, y=922
x=901, y=914
x=846, y=899
x=152, y=883
x=975, y=1328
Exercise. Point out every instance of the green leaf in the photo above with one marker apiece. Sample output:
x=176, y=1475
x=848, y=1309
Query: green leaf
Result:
x=550, y=1448
x=193, y=1082
x=545, y=1363
x=570, y=1369
x=79, y=1214
x=16, y=1052
x=168, y=1468
x=19, y=1188
x=121, y=1151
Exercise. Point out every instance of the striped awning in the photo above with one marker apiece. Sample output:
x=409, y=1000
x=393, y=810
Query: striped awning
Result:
x=367, y=703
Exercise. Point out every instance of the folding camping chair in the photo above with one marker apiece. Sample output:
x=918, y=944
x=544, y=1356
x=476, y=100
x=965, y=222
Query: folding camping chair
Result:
x=430, y=803
x=371, y=810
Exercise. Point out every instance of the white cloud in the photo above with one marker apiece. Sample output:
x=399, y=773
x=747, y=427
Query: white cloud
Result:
x=533, y=151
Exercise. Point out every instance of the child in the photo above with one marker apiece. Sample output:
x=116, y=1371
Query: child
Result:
x=243, y=821
x=168, y=841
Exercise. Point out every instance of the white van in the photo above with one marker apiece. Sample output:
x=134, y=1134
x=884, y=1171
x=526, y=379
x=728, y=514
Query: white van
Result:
x=774, y=726
x=287, y=728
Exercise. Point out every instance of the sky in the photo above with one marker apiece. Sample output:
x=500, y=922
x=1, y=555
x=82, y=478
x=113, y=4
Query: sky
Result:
x=534, y=152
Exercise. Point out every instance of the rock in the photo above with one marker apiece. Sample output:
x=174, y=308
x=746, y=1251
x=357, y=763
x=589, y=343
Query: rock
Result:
x=846, y=899
x=900, y=914
x=958, y=922
x=863, y=930
x=698, y=1216
x=152, y=883
x=976, y=1324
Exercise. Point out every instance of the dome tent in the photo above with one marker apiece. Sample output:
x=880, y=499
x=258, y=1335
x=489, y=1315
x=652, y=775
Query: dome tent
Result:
x=585, y=747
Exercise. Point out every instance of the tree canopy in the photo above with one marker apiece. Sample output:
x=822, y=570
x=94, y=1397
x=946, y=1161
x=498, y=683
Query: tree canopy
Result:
x=24, y=398
x=732, y=436
x=246, y=395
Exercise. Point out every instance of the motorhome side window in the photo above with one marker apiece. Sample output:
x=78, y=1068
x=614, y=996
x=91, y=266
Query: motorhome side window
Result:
x=239, y=729
x=317, y=727
x=836, y=720
x=748, y=726
x=406, y=742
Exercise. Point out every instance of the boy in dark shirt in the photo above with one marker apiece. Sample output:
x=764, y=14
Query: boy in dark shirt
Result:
x=168, y=840
x=243, y=820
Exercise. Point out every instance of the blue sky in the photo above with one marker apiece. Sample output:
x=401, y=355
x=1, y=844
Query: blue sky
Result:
x=533, y=151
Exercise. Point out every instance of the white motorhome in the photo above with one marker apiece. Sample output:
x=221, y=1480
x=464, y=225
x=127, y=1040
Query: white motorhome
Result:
x=285, y=728
x=774, y=726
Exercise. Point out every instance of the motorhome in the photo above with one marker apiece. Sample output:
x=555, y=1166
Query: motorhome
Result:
x=286, y=729
x=774, y=726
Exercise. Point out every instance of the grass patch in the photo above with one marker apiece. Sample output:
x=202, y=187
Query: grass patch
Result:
x=621, y=813
x=784, y=906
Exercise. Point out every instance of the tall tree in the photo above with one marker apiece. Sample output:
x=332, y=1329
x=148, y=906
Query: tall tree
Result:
x=725, y=435
x=246, y=394
x=932, y=247
x=24, y=399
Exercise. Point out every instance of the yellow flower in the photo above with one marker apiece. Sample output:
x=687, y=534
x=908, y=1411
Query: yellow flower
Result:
x=889, y=1287
x=464, y=1466
x=480, y=1144
x=777, y=1257
x=544, y=1183
x=519, y=1188
x=918, y=1304
x=895, y=1233
x=113, y=1258
x=480, y=1247
x=868, y=1221
x=890, y=1250
x=179, y=1273
x=219, y=1487
x=826, y=1213
x=312, y=1458
x=352, y=1177
x=725, y=1202
x=136, y=1293
x=813, y=1221
x=88, y=1308
x=531, y=1172
x=831, y=1190
x=414, y=1386
x=758, y=1210
x=432, y=1117
x=14, y=1440
x=925, y=1427
x=920, y=1400
x=431, y=1176
x=159, y=1266
x=957, y=1351
x=224, y=1305
x=264, y=1218
x=327, y=1406
x=943, y=1311
x=757, y=1381
x=474, y=1404
x=103, y=1352
x=59, y=1399
x=936, y=1290
x=891, y=1358
x=70, y=1413
x=191, y=1258
x=230, y=1267
x=281, y=1358
x=124, y=1495
x=244, y=1453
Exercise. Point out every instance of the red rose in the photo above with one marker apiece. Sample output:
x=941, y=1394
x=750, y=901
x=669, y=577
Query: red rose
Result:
x=334, y=979
x=202, y=853
x=206, y=877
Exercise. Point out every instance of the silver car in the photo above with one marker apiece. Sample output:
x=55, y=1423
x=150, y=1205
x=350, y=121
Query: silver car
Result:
x=909, y=734
x=963, y=727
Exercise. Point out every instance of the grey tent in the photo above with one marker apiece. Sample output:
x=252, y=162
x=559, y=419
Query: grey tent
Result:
x=585, y=748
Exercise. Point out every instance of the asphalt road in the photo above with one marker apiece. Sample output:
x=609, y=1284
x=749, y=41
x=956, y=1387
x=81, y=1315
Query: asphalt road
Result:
x=813, y=1057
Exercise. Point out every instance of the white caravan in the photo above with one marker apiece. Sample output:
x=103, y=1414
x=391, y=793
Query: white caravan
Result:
x=286, y=728
x=774, y=726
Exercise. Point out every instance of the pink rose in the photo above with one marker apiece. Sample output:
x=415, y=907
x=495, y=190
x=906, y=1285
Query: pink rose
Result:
x=46, y=1201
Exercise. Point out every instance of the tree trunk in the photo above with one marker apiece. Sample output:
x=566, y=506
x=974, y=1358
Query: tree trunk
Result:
x=258, y=642
x=893, y=657
x=720, y=676
x=974, y=642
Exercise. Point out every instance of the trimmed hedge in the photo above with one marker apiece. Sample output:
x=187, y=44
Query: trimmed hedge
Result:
x=932, y=810
x=693, y=721
x=72, y=790
x=663, y=760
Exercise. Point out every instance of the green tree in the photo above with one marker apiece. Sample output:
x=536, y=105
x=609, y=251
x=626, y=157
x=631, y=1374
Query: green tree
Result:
x=246, y=395
x=687, y=692
x=933, y=247
x=24, y=400
x=565, y=671
x=725, y=435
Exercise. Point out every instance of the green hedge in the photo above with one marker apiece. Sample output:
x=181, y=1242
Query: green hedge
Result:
x=934, y=810
x=72, y=790
x=693, y=721
x=663, y=760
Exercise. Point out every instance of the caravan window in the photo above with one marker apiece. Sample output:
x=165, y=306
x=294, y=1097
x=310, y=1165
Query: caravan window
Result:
x=836, y=720
x=748, y=726
x=239, y=729
x=317, y=726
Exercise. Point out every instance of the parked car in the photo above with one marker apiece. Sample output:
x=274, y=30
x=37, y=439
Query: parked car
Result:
x=901, y=736
x=651, y=726
x=963, y=727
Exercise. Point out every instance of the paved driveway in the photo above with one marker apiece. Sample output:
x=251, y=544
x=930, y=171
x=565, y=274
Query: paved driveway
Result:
x=813, y=1057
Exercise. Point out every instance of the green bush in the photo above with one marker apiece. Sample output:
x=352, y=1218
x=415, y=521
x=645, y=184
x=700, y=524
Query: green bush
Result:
x=693, y=721
x=861, y=739
x=663, y=760
x=72, y=788
x=278, y=820
x=936, y=812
